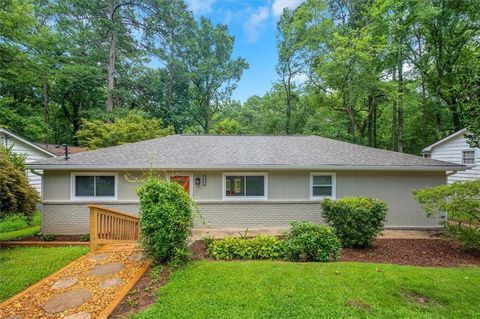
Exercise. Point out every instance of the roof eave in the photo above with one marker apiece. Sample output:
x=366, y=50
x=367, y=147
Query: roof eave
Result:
x=24, y=140
x=336, y=167
x=428, y=149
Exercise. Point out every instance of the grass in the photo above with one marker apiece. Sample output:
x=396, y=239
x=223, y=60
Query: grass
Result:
x=16, y=234
x=17, y=226
x=21, y=267
x=263, y=289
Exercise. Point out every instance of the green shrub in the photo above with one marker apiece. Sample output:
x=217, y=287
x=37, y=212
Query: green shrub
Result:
x=461, y=201
x=259, y=247
x=307, y=241
x=49, y=237
x=357, y=220
x=166, y=219
x=85, y=237
x=208, y=241
x=16, y=194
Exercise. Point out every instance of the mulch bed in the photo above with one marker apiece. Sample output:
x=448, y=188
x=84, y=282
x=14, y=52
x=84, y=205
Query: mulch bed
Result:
x=64, y=238
x=143, y=295
x=415, y=252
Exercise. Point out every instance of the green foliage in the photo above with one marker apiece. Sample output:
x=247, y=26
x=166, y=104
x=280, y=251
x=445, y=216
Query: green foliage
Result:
x=208, y=241
x=132, y=128
x=19, y=221
x=17, y=159
x=258, y=247
x=461, y=202
x=166, y=219
x=307, y=241
x=85, y=237
x=357, y=220
x=21, y=233
x=16, y=194
x=49, y=237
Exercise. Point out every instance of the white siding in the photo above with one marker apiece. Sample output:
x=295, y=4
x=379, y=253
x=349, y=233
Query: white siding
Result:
x=451, y=151
x=33, y=154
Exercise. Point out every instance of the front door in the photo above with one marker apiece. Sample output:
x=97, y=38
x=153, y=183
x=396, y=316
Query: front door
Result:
x=183, y=180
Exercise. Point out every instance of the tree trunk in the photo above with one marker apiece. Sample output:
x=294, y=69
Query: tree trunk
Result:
x=394, y=117
x=424, y=110
x=351, y=107
x=111, y=71
x=400, y=101
x=289, y=110
x=370, y=124
x=46, y=110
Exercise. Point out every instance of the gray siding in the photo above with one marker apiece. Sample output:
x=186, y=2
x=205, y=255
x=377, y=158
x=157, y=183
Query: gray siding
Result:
x=288, y=199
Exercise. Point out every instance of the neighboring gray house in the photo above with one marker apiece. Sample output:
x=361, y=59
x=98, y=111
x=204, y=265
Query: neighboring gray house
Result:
x=33, y=152
x=239, y=181
x=454, y=148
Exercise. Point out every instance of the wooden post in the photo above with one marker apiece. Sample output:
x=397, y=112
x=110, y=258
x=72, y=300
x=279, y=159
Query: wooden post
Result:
x=93, y=229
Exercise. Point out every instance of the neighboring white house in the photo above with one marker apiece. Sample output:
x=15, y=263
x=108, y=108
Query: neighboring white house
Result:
x=23, y=146
x=454, y=148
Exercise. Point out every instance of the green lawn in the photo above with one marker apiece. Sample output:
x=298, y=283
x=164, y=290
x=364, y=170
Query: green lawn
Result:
x=17, y=234
x=265, y=289
x=22, y=267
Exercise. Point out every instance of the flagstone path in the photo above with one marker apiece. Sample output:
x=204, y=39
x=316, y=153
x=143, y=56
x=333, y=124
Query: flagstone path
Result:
x=90, y=287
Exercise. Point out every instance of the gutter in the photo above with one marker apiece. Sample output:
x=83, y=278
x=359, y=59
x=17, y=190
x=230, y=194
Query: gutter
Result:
x=173, y=167
x=36, y=173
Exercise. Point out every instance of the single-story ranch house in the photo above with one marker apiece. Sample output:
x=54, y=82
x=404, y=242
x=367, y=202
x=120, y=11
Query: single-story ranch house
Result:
x=239, y=181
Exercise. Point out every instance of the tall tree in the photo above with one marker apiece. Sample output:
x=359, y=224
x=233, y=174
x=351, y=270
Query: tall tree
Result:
x=212, y=71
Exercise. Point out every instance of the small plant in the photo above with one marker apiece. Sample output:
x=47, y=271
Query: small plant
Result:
x=258, y=247
x=357, y=220
x=85, y=237
x=307, y=241
x=208, y=241
x=156, y=272
x=49, y=237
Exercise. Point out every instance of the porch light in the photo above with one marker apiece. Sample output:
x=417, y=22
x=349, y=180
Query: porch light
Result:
x=197, y=181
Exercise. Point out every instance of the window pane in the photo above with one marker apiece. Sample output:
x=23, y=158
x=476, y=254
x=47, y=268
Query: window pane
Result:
x=255, y=185
x=322, y=191
x=322, y=180
x=105, y=185
x=234, y=185
x=84, y=185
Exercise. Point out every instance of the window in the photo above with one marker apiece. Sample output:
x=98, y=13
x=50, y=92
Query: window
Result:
x=245, y=186
x=468, y=157
x=94, y=186
x=322, y=185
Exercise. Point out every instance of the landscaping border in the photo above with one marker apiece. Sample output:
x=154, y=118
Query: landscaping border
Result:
x=8, y=244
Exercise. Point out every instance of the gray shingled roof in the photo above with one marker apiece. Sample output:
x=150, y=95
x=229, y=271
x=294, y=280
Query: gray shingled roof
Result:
x=234, y=152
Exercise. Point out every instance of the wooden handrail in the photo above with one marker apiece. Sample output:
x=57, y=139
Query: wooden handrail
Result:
x=109, y=225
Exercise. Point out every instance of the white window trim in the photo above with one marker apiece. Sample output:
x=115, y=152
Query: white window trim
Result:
x=334, y=185
x=190, y=175
x=92, y=198
x=247, y=198
x=474, y=156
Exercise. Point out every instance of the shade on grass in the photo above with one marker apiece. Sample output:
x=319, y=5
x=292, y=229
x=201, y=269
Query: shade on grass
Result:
x=21, y=267
x=263, y=289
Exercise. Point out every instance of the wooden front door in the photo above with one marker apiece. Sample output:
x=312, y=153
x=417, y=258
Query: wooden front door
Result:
x=184, y=181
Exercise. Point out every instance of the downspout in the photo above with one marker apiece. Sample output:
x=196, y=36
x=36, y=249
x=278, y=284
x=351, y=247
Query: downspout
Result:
x=448, y=174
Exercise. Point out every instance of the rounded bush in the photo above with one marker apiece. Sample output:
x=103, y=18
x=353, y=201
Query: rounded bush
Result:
x=166, y=219
x=17, y=196
x=307, y=241
x=357, y=220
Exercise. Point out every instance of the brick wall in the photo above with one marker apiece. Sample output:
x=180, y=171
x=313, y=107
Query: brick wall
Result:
x=74, y=218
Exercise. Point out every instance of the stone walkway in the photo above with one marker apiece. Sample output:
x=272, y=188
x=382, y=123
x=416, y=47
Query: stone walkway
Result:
x=85, y=289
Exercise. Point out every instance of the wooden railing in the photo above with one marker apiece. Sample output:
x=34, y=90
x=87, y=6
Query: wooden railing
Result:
x=112, y=226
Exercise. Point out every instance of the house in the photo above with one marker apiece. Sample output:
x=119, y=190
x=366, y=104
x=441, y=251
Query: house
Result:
x=33, y=151
x=454, y=148
x=239, y=181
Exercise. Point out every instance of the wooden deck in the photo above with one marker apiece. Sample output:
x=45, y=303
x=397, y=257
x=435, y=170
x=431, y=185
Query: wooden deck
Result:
x=120, y=247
